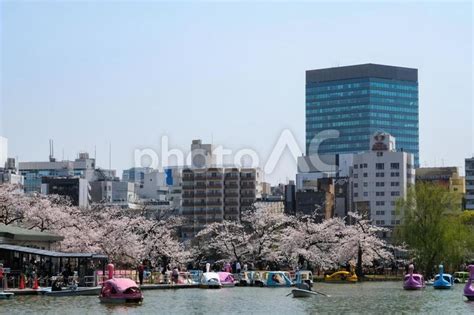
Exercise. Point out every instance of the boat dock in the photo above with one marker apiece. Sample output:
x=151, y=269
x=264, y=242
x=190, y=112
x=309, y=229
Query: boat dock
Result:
x=168, y=286
x=28, y=291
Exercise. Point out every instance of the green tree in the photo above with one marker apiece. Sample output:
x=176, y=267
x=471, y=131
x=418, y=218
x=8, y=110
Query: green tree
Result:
x=433, y=227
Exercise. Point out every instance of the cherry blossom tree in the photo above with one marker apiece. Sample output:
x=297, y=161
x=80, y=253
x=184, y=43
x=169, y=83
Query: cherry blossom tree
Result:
x=12, y=204
x=225, y=240
x=265, y=229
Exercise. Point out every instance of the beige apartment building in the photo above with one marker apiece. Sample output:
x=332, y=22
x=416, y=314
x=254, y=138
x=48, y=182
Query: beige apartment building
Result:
x=215, y=194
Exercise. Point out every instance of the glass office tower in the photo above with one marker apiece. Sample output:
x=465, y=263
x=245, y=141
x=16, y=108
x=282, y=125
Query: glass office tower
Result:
x=359, y=100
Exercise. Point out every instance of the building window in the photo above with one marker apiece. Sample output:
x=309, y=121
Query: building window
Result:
x=380, y=203
x=365, y=174
x=356, y=194
x=356, y=166
x=379, y=184
x=379, y=212
x=395, y=166
x=356, y=185
x=394, y=184
x=395, y=193
x=395, y=174
x=393, y=212
x=380, y=174
x=366, y=184
x=380, y=193
x=366, y=194
x=379, y=166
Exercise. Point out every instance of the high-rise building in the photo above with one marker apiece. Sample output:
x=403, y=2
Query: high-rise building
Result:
x=212, y=193
x=469, y=184
x=358, y=101
x=380, y=177
x=215, y=194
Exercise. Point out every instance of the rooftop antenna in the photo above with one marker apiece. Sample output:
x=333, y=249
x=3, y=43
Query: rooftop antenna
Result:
x=95, y=152
x=51, y=151
x=110, y=155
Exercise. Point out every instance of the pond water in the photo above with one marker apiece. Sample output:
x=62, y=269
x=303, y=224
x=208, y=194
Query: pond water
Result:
x=361, y=298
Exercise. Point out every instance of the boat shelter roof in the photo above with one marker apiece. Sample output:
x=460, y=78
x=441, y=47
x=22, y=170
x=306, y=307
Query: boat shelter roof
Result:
x=22, y=234
x=48, y=253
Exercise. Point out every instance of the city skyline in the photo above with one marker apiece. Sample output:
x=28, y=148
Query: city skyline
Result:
x=129, y=74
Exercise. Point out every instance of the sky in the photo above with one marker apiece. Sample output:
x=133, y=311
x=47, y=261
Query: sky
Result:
x=90, y=75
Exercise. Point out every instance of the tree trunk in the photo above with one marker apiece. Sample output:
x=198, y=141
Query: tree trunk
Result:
x=359, y=272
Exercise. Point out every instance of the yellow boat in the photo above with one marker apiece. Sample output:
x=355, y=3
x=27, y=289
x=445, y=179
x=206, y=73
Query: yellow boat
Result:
x=341, y=277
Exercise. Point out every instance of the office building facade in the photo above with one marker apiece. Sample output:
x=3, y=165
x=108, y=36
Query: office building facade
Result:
x=469, y=197
x=380, y=177
x=358, y=101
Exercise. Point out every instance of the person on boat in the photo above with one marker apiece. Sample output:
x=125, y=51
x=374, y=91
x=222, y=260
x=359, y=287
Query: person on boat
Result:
x=1, y=276
x=56, y=286
x=66, y=274
x=304, y=286
x=175, y=275
x=141, y=270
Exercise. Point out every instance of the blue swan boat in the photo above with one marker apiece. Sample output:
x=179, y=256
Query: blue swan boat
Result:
x=443, y=280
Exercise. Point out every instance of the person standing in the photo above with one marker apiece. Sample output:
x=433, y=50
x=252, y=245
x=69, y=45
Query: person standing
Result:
x=141, y=270
x=1, y=277
x=175, y=275
x=237, y=267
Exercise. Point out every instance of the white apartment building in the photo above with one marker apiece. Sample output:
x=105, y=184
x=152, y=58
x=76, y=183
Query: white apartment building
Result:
x=379, y=178
x=469, y=167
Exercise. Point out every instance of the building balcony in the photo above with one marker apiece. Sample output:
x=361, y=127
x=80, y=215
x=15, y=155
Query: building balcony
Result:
x=214, y=185
x=231, y=185
x=247, y=185
x=188, y=186
x=232, y=176
x=214, y=194
x=214, y=177
x=231, y=202
x=200, y=195
x=200, y=185
x=214, y=203
x=188, y=195
x=231, y=194
x=248, y=194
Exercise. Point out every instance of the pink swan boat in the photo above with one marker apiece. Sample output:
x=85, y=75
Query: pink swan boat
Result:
x=226, y=279
x=469, y=288
x=119, y=290
x=413, y=281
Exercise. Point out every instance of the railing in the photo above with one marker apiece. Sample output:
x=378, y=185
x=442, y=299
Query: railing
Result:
x=231, y=194
x=231, y=185
x=215, y=185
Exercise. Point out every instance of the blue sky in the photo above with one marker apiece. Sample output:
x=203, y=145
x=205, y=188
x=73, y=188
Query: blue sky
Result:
x=86, y=73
